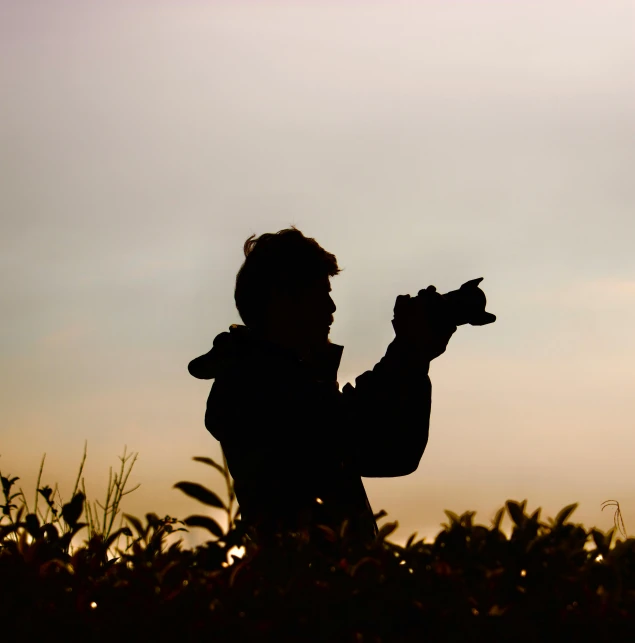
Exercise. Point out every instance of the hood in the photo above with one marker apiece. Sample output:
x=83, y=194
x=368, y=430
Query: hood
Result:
x=231, y=350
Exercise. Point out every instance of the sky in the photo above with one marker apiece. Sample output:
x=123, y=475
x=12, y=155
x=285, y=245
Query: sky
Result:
x=142, y=142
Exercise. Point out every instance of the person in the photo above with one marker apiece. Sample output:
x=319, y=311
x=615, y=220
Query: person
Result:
x=296, y=446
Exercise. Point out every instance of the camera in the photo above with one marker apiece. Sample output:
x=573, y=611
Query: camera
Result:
x=467, y=305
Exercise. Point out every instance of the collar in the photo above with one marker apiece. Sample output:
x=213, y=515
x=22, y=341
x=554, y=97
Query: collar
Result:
x=323, y=365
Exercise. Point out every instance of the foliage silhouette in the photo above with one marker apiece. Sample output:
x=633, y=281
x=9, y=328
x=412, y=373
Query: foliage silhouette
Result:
x=617, y=517
x=473, y=582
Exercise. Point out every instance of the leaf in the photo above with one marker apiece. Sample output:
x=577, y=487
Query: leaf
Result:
x=72, y=510
x=479, y=533
x=175, y=547
x=46, y=492
x=32, y=524
x=136, y=523
x=564, y=513
x=498, y=518
x=65, y=540
x=367, y=560
x=200, y=493
x=206, y=523
x=204, y=460
x=235, y=537
x=6, y=509
x=379, y=515
x=153, y=520
x=598, y=538
x=7, y=483
x=329, y=533
x=51, y=532
x=236, y=569
x=114, y=536
x=78, y=526
x=411, y=540
x=466, y=519
x=387, y=529
x=454, y=519
x=7, y=530
x=516, y=513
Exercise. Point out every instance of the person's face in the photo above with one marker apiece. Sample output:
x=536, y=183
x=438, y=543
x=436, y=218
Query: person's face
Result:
x=304, y=318
x=314, y=311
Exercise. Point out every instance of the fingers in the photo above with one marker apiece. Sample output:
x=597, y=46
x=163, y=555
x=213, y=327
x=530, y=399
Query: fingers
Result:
x=429, y=297
x=400, y=302
x=424, y=291
x=431, y=304
x=439, y=311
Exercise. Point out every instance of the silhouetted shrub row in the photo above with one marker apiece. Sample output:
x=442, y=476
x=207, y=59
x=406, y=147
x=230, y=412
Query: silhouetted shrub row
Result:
x=546, y=580
x=472, y=583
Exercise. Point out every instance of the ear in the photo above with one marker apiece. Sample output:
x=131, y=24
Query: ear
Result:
x=279, y=302
x=276, y=296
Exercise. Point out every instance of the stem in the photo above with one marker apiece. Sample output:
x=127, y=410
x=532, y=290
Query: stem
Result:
x=81, y=468
x=49, y=507
x=24, y=500
x=37, y=484
x=230, y=493
x=96, y=517
x=88, y=512
x=108, y=493
x=8, y=502
x=115, y=546
x=120, y=484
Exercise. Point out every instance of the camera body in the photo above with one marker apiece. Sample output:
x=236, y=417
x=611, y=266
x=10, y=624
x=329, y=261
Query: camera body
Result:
x=467, y=304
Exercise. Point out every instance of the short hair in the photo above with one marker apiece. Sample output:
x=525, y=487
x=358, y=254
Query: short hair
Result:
x=286, y=260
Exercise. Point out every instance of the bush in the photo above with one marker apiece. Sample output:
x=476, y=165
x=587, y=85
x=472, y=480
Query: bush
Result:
x=473, y=583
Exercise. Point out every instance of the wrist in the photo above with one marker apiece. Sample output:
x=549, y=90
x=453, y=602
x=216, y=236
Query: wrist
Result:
x=413, y=357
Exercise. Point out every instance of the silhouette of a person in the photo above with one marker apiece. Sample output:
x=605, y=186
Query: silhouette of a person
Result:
x=295, y=445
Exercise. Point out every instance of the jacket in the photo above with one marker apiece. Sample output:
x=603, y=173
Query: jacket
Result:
x=296, y=446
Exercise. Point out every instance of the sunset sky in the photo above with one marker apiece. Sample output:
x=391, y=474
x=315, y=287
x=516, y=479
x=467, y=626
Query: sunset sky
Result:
x=432, y=142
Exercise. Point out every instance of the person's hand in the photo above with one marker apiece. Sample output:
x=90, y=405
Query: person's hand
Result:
x=424, y=322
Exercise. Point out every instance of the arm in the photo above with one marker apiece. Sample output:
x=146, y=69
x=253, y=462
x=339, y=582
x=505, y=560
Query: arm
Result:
x=389, y=410
x=388, y=413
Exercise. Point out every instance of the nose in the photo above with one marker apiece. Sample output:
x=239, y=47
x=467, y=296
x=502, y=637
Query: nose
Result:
x=331, y=308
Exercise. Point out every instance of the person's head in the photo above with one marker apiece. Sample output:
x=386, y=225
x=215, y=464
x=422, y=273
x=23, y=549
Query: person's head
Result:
x=282, y=288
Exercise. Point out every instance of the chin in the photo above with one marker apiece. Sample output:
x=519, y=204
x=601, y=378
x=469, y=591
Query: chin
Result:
x=321, y=341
